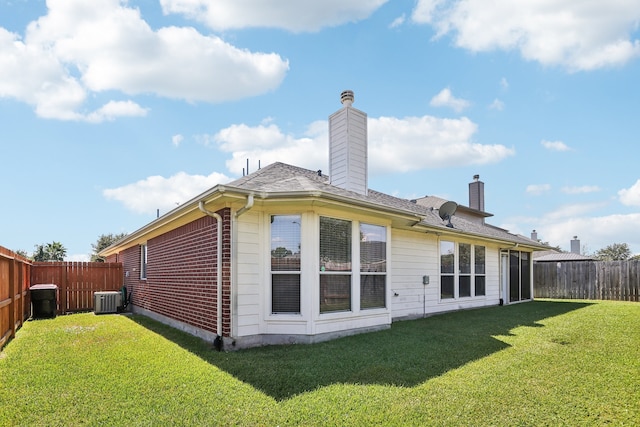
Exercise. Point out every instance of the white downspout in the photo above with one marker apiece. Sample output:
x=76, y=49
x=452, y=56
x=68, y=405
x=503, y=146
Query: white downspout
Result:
x=234, y=257
x=218, y=265
x=248, y=206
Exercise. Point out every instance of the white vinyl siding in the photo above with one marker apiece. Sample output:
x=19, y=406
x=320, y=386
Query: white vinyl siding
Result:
x=247, y=274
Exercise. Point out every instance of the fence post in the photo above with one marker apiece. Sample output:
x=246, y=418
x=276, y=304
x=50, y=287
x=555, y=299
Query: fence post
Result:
x=12, y=297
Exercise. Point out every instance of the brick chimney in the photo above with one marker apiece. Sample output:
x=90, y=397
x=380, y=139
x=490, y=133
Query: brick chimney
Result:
x=348, y=147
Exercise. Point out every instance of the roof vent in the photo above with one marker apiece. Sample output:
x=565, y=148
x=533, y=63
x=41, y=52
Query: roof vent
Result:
x=346, y=97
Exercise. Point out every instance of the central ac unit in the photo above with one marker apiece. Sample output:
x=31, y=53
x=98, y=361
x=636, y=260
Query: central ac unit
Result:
x=107, y=302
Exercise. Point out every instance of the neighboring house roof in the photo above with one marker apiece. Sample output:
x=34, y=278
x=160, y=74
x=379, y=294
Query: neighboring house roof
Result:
x=283, y=181
x=553, y=256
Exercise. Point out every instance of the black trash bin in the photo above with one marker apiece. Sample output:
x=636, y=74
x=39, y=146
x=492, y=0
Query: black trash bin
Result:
x=44, y=301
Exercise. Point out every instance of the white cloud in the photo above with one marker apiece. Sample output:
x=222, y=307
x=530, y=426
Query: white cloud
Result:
x=291, y=15
x=398, y=21
x=584, y=189
x=395, y=145
x=78, y=258
x=555, y=145
x=594, y=231
x=630, y=196
x=446, y=99
x=538, y=189
x=80, y=48
x=574, y=210
x=504, y=84
x=496, y=105
x=114, y=109
x=268, y=144
x=578, y=35
x=176, y=140
x=157, y=192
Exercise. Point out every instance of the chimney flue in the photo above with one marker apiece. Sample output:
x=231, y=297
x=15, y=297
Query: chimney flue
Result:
x=346, y=98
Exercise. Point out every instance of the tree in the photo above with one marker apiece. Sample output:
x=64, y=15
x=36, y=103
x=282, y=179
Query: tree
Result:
x=104, y=241
x=53, y=251
x=23, y=253
x=280, y=252
x=613, y=252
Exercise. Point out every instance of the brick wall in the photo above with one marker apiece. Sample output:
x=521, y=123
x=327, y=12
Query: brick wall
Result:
x=182, y=275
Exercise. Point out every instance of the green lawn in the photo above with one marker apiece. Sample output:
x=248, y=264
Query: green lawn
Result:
x=543, y=363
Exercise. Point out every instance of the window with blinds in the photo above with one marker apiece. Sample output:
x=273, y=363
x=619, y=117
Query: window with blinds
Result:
x=373, y=266
x=285, y=263
x=335, y=265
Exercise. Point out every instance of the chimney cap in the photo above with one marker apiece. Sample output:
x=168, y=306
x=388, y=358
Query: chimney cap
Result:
x=476, y=177
x=346, y=98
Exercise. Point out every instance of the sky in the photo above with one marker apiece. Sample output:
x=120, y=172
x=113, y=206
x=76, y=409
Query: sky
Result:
x=112, y=111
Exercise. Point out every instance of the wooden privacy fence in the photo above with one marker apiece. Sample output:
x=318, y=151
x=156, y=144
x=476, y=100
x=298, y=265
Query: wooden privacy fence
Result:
x=604, y=280
x=77, y=281
x=15, y=304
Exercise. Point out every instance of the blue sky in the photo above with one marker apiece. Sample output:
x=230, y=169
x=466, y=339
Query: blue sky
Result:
x=111, y=110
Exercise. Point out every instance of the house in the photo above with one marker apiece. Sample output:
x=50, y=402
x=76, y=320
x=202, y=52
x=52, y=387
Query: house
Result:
x=557, y=256
x=289, y=255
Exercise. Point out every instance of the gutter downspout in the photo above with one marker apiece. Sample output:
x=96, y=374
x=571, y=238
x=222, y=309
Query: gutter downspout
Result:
x=218, y=268
x=248, y=206
x=234, y=257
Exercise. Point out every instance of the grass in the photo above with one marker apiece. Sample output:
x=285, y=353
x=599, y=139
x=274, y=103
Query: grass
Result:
x=543, y=363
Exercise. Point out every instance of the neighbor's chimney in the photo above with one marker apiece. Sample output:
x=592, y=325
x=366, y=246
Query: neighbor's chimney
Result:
x=534, y=235
x=476, y=194
x=575, y=245
x=348, y=146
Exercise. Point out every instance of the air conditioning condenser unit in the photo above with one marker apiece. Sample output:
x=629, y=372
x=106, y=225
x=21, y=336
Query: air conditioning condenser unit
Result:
x=107, y=302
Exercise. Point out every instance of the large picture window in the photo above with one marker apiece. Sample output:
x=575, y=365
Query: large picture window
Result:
x=335, y=265
x=462, y=270
x=285, y=263
x=373, y=266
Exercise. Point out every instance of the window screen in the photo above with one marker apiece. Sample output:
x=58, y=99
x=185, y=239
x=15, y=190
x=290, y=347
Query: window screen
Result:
x=373, y=266
x=285, y=263
x=335, y=265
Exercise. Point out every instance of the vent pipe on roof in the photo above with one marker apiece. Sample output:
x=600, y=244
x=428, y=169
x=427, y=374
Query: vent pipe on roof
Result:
x=346, y=97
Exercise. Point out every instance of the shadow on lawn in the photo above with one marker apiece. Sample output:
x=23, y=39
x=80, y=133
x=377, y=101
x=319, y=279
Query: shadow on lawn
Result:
x=407, y=354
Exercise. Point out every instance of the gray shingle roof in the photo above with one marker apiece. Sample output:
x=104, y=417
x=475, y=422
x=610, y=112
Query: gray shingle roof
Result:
x=283, y=178
x=552, y=256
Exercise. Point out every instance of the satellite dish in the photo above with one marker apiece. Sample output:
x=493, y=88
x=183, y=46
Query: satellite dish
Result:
x=446, y=211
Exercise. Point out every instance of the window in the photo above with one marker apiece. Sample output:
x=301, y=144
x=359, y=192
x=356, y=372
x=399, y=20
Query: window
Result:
x=479, y=270
x=335, y=265
x=285, y=263
x=465, y=267
x=373, y=266
x=447, y=261
x=143, y=261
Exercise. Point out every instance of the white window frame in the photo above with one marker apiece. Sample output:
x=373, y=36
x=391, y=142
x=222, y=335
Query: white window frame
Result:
x=457, y=272
x=285, y=272
x=144, y=258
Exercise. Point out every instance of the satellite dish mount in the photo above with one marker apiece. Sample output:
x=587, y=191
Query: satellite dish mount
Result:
x=446, y=211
